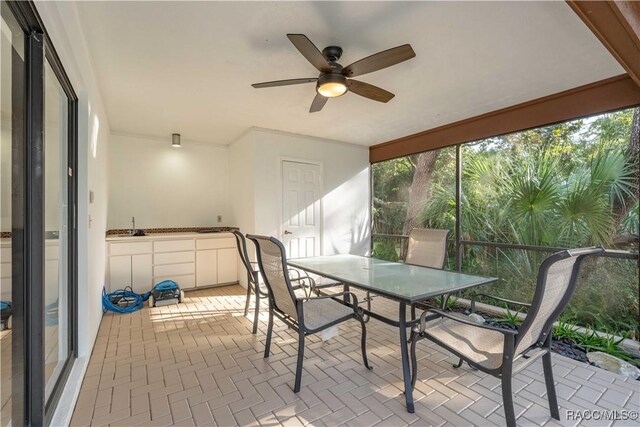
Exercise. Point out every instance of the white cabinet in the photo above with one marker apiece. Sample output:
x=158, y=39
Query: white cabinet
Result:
x=207, y=267
x=52, y=270
x=141, y=273
x=189, y=260
x=130, y=270
x=6, y=275
x=130, y=248
x=130, y=265
x=119, y=271
x=216, y=266
x=227, y=265
x=175, y=260
x=173, y=245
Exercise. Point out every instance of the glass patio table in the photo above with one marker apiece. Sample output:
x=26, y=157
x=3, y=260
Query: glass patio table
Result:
x=405, y=283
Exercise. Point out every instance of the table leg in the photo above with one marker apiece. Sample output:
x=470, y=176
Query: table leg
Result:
x=346, y=298
x=404, y=352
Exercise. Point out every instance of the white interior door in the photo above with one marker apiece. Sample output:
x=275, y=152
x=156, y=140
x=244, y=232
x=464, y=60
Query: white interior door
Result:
x=301, y=194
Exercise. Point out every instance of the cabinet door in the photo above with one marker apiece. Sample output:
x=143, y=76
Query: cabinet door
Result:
x=206, y=267
x=141, y=267
x=184, y=282
x=119, y=272
x=6, y=274
x=227, y=265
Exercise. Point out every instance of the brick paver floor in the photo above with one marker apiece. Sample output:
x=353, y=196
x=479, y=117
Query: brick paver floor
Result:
x=197, y=363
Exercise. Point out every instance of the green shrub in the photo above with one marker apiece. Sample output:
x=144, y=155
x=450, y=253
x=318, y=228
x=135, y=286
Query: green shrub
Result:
x=590, y=340
x=385, y=249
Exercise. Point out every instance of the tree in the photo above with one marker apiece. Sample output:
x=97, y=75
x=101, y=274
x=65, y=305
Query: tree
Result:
x=617, y=130
x=419, y=189
x=391, y=181
x=566, y=185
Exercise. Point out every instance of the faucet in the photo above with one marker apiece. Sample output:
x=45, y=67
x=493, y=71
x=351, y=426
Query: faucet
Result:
x=133, y=225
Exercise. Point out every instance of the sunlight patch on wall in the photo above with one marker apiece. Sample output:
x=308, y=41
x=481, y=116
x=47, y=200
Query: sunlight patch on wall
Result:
x=94, y=134
x=352, y=235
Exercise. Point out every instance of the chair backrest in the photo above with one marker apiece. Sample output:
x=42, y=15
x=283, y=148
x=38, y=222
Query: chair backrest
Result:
x=242, y=251
x=427, y=247
x=557, y=279
x=273, y=267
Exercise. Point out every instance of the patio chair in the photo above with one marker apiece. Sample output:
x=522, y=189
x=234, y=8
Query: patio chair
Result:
x=253, y=280
x=427, y=247
x=504, y=352
x=307, y=315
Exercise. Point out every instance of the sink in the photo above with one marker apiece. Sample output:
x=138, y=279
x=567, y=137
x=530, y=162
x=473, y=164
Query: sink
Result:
x=138, y=233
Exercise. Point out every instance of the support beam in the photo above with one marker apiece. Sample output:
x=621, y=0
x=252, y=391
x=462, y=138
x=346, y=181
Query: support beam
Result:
x=617, y=25
x=611, y=94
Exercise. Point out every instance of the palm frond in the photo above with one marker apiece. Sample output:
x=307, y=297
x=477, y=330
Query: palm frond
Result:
x=611, y=169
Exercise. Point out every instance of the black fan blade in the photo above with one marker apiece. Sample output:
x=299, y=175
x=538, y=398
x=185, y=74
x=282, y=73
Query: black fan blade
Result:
x=380, y=60
x=369, y=91
x=284, y=82
x=318, y=103
x=310, y=51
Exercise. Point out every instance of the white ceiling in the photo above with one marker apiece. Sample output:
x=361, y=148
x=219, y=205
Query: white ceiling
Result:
x=166, y=67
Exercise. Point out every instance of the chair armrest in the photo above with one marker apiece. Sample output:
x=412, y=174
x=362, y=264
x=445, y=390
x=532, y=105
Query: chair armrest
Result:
x=293, y=271
x=313, y=286
x=300, y=279
x=423, y=322
x=299, y=275
x=495, y=298
x=328, y=285
x=354, y=298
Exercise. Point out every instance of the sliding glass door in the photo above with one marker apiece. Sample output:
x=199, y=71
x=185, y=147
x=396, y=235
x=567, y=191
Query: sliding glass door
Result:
x=38, y=191
x=12, y=70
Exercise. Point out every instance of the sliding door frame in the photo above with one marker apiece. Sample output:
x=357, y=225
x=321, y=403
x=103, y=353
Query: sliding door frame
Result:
x=30, y=403
x=72, y=252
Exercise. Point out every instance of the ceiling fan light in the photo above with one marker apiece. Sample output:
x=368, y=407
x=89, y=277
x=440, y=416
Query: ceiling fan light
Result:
x=331, y=90
x=331, y=85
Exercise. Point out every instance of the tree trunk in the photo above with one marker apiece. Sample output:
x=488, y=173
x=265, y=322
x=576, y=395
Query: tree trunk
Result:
x=419, y=190
x=634, y=145
x=621, y=208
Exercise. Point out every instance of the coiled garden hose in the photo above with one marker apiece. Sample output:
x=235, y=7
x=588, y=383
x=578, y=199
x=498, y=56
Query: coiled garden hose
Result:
x=123, y=300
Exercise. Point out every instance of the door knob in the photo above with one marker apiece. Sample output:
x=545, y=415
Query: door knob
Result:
x=287, y=232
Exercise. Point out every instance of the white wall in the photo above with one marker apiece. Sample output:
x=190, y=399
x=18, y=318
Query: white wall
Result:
x=242, y=182
x=164, y=186
x=256, y=158
x=63, y=25
x=242, y=187
x=345, y=192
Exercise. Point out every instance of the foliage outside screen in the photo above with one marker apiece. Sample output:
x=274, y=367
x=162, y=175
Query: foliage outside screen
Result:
x=567, y=185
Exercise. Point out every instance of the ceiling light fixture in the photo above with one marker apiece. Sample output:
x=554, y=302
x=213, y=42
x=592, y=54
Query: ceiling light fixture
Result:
x=175, y=140
x=331, y=85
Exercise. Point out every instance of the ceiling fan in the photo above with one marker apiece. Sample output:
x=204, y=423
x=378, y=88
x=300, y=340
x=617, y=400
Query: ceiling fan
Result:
x=333, y=81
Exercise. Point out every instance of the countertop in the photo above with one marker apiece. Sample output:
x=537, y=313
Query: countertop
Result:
x=170, y=236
